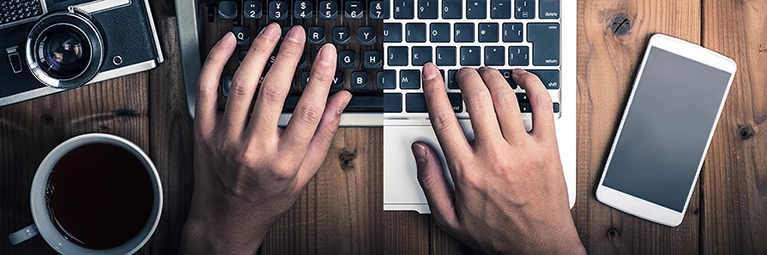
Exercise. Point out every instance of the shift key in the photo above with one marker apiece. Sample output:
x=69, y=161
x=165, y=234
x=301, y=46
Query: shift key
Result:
x=545, y=39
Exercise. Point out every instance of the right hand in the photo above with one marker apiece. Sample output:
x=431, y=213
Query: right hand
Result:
x=510, y=193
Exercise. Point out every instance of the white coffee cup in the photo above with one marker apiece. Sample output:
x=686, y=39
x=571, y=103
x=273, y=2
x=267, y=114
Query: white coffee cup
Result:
x=42, y=221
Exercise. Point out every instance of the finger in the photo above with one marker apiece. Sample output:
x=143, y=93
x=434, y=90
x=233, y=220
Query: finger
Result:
x=479, y=104
x=323, y=137
x=504, y=102
x=207, y=86
x=310, y=107
x=246, y=78
x=276, y=84
x=540, y=101
x=443, y=120
x=431, y=176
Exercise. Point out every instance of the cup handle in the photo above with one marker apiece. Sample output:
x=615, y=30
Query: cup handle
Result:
x=23, y=234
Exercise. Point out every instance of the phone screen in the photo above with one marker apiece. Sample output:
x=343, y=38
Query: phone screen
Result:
x=666, y=129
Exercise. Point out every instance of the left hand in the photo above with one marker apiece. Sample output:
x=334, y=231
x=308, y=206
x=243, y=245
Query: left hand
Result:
x=247, y=170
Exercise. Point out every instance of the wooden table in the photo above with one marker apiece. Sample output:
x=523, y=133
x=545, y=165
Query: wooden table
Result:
x=340, y=212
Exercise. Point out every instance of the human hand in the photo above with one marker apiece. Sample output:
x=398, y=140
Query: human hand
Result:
x=510, y=193
x=248, y=171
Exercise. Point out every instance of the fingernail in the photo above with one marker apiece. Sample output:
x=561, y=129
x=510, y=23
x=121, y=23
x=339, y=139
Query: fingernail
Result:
x=419, y=152
x=344, y=104
x=226, y=41
x=519, y=71
x=327, y=54
x=272, y=31
x=430, y=71
x=296, y=35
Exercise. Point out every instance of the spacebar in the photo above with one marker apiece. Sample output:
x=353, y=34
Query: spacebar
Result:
x=357, y=104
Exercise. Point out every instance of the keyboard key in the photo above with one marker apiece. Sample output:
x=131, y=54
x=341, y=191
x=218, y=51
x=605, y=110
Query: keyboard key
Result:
x=421, y=55
x=464, y=32
x=342, y=35
x=379, y=9
x=415, y=32
x=439, y=32
x=549, y=9
x=488, y=32
x=338, y=80
x=392, y=102
x=512, y=32
x=373, y=59
x=556, y=107
x=252, y=9
x=242, y=55
x=550, y=78
x=303, y=10
x=519, y=56
x=522, y=98
x=386, y=79
x=507, y=75
x=495, y=56
x=242, y=34
x=476, y=9
x=366, y=35
x=397, y=56
x=428, y=9
x=360, y=80
x=451, y=82
x=303, y=61
x=410, y=79
x=415, y=102
x=525, y=107
x=392, y=32
x=305, y=78
x=353, y=10
x=452, y=9
x=404, y=9
x=278, y=10
x=328, y=10
x=525, y=9
x=226, y=84
x=315, y=35
x=446, y=56
x=500, y=9
x=545, y=39
x=347, y=59
x=471, y=56
x=226, y=10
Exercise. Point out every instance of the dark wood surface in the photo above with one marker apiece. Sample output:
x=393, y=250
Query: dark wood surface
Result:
x=340, y=212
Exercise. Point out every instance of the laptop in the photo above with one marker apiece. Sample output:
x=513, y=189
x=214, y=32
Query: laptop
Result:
x=383, y=71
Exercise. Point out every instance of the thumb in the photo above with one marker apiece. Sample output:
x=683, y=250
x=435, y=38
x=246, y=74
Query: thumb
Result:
x=431, y=176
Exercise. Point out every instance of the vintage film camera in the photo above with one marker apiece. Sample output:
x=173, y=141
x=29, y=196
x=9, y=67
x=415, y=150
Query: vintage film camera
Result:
x=48, y=46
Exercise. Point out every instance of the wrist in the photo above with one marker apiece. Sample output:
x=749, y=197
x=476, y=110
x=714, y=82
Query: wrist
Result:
x=206, y=233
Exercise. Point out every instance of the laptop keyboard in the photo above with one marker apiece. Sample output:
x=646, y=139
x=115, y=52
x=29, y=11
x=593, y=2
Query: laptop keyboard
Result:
x=349, y=25
x=502, y=34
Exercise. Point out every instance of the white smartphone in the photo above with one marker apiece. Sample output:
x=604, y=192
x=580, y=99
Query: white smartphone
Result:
x=676, y=101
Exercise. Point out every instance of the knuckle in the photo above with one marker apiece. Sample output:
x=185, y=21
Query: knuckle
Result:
x=270, y=93
x=261, y=49
x=239, y=87
x=282, y=170
x=443, y=122
x=291, y=49
x=321, y=75
x=308, y=114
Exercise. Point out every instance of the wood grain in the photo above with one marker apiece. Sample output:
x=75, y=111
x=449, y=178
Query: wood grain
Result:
x=608, y=55
x=734, y=179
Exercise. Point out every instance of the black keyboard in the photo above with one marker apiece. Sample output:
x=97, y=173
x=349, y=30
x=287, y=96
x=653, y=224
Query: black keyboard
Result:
x=503, y=34
x=354, y=27
x=15, y=10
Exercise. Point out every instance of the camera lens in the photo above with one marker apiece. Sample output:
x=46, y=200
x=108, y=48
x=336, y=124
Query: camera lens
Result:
x=63, y=52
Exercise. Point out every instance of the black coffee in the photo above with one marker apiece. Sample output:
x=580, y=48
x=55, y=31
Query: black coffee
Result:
x=99, y=196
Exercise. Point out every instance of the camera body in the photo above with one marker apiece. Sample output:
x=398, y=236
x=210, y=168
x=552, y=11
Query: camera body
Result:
x=48, y=46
